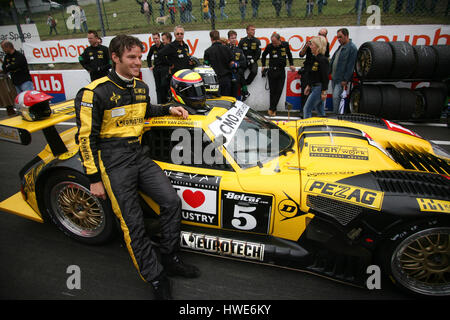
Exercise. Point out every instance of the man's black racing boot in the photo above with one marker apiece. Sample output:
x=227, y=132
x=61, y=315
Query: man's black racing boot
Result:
x=175, y=267
x=162, y=287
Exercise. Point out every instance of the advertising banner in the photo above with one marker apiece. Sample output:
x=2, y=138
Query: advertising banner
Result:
x=67, y=51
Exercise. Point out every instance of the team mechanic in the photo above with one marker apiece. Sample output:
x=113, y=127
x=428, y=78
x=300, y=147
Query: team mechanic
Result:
x=110, y=115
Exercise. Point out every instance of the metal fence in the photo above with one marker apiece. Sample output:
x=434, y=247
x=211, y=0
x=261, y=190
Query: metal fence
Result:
x=134, y=16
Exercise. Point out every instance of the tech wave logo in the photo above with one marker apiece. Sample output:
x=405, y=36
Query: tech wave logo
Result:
x=50, y=83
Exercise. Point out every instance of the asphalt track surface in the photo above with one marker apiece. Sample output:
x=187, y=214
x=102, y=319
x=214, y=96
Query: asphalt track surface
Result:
x=34, y=258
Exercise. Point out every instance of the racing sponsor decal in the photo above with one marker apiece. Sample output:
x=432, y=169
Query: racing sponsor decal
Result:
x=342, y=152
x=289, y=208
x=222, y=246
x=356, y=195
x=245, y=211
x=227, y=124
x=198, y=194
x=10, y=134
x=433, y=205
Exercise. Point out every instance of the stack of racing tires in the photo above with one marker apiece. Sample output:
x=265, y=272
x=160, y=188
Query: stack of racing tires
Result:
x=379, y=64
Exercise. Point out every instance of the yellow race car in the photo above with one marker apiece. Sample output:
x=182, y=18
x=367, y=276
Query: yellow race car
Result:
x=336, y=196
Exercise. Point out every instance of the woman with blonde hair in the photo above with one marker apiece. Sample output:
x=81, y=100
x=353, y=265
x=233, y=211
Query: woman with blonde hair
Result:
x=317, y=78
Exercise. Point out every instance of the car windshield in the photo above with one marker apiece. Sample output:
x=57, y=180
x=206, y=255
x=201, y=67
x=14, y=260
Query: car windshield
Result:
x=257, y=141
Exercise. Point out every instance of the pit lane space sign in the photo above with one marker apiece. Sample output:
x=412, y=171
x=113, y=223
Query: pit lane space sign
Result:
x=198, y=194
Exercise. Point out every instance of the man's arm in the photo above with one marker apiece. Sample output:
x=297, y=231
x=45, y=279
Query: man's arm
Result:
x=89, y=115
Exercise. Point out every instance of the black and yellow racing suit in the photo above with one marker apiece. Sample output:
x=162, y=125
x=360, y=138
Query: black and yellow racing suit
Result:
x=110, y=116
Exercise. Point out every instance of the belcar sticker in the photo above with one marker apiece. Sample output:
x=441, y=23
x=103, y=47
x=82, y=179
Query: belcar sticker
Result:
x=246, y=211
x=222, y=246
x=356, y=195
x=198, y=194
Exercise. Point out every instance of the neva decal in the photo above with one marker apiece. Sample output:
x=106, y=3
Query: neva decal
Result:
x=198, y=194
x=222, y=246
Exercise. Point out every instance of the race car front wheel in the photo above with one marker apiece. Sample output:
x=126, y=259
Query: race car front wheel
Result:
x=75, y=211
x=417, y=258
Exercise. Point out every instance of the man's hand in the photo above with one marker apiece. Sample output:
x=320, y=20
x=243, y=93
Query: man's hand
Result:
x=292, y=68
x=98, y=190
x=179, y=112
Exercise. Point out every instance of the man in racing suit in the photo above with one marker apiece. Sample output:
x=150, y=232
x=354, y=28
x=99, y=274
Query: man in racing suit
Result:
x=110, y=114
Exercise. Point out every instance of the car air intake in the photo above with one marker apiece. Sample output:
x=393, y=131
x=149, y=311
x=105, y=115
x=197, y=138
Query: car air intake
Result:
x=418, y=160
x=413, y=183
x=343, y=212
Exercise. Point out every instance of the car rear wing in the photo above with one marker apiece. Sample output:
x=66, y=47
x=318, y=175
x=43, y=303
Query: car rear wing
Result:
x=18, y=130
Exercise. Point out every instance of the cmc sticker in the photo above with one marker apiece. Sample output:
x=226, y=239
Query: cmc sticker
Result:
x=359, y=196
x=222, y=246
x=246, y=211
x=343, y=152
x=198, y=194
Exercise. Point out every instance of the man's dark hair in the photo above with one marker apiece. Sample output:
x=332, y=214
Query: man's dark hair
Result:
x=94, y=33
x=121, y=42
x=155, y=34
x=168, y=35
x=232, y=32
x=344, y=31
x=214, y=35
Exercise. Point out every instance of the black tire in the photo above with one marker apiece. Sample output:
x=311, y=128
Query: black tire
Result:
x=75, y=211
x=366, y=99
x=416, y=256
x=374, y=61
x=425, y=62
x=403, y=60
x=434, y=102
x=442, y=70
x=390, y=102
x=408, y=103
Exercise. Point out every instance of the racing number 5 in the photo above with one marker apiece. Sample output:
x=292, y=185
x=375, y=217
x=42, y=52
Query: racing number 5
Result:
x=241, y=212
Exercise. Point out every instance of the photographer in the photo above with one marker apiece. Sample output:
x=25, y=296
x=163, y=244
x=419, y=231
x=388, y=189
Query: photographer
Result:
x=278, y=51
x=317, y=85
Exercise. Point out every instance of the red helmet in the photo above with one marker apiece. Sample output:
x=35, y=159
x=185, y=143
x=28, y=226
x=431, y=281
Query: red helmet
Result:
x=33, y=105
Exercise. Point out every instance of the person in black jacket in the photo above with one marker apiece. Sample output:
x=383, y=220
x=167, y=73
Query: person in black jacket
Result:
x=251, y=47
x=110, y=116
x=307, y=64
x=177, y=52
x=16, y=65
x=278, y=51
x=238, y=67
x=220, y=58
x=317, y=78
x=95, y=58
x=160, y=69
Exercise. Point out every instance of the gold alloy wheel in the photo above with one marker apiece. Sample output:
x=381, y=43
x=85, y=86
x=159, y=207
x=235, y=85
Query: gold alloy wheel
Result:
x=364, y=63
x=422, y=262
x=77, y=210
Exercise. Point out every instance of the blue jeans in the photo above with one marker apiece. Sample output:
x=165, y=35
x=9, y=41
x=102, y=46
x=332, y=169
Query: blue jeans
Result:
x=337, y=91
x=27, y=85
x=314, y=101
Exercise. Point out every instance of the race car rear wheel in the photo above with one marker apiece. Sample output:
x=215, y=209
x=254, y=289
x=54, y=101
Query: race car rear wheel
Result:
x=417, y=258
x=75, y=211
